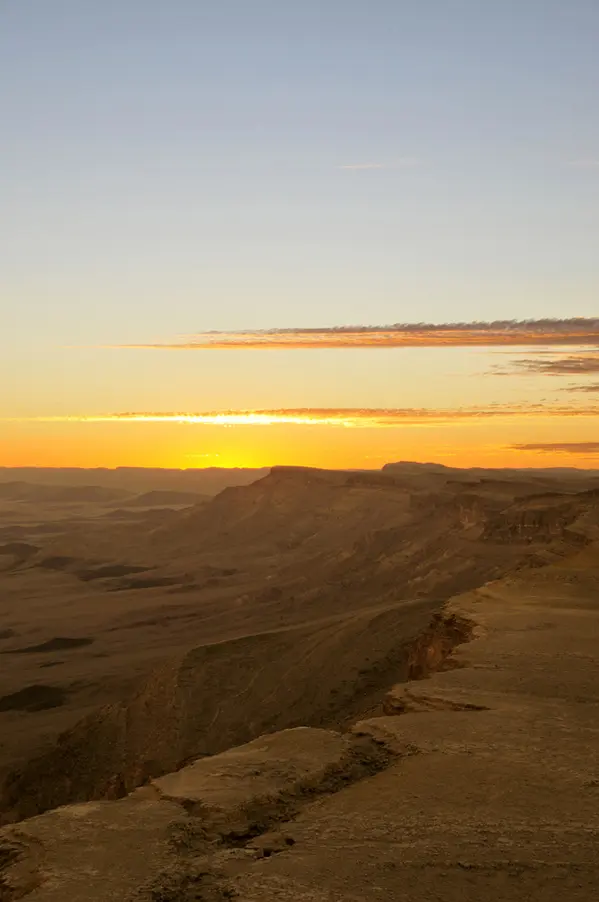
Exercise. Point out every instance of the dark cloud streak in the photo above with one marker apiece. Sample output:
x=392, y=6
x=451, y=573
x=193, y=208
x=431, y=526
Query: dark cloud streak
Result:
x=507, y=333
x=591, y=388
x=560, y=366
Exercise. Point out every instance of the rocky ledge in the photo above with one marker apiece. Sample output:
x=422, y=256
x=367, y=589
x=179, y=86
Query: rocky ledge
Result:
x=480, y=781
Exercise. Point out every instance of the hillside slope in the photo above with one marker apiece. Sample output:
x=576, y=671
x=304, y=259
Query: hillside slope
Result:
x=476, y=783
x=294, y=600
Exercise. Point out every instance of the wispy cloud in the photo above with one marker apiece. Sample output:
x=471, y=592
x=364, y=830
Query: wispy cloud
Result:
x=507, y=333
x=344, y=417
x=403, y=163
x=574, y=365
x=559, y=447
x=591, y=388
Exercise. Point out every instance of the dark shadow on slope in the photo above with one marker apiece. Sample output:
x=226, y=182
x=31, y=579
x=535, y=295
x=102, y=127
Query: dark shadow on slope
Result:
x=328, y=674
x=34, y=698
x=58, y=643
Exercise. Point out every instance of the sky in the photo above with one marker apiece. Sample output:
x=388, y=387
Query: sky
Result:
x=221, y=221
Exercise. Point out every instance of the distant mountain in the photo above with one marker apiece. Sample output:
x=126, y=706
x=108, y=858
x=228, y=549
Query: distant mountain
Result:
x=542, y=474
x=209, y=481
x=59, y=494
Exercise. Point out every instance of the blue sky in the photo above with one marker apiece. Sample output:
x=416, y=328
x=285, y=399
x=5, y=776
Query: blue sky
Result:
x=171, y=168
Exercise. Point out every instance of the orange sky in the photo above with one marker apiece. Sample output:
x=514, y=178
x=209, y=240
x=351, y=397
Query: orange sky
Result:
x=459, y=442
x=328, y=407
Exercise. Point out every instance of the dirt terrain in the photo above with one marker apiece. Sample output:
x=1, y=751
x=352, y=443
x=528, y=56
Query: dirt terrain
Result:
x=476, y=782
x=149, y=635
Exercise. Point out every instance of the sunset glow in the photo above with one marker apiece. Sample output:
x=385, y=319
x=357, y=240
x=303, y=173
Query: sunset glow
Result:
x=345, y=417
x=217, y=251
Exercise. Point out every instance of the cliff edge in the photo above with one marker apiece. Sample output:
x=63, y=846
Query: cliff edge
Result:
x=480, y=781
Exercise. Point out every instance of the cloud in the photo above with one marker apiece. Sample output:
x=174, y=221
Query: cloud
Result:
x=591, y=388
x=404, y=163
x=507, y=333
x=344, y=416
x=559, y=447
x=577, y=365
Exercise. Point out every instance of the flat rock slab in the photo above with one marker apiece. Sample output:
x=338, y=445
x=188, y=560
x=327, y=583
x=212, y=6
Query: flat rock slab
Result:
x=499, y=798
x=128, y=849
x=242, y=788
x=92, y=852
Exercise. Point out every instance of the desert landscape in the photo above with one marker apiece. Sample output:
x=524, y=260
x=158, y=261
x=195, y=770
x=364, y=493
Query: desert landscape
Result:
x=151, y=633
x=299, y=451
